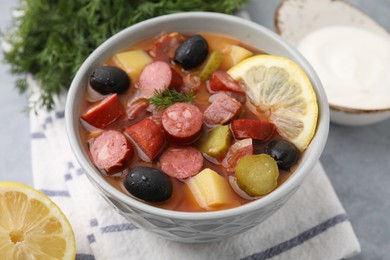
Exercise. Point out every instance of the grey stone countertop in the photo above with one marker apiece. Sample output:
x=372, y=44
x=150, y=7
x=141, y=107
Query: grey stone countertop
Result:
x=356, y=159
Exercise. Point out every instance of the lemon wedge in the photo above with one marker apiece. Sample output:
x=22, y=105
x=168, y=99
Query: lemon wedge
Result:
x=279, y=89
x=32, y=226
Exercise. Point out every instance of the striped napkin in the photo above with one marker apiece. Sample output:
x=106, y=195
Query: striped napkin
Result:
x=312, y=225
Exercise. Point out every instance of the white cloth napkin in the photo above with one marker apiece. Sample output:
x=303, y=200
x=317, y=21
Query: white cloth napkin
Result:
x=312, y=225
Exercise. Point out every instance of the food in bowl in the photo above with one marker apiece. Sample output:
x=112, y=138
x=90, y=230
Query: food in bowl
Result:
x=352, y=68
x=197, y=122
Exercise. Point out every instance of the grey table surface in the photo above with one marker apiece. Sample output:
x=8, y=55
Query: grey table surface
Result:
x=356, y=159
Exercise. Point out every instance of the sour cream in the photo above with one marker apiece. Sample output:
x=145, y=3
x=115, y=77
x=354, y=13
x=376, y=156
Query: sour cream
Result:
x=353, y=65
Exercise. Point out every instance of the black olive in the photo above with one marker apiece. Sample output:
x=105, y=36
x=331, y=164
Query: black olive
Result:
x=148, y=184
x=284, y=153
x=192, y=52
x=108, y=79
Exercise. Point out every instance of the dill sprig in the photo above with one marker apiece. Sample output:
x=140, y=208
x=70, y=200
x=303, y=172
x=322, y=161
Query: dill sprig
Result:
x=52, y=38
x=162, y=99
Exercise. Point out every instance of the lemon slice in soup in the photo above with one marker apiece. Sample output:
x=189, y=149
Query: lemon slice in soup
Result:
x=280, y=90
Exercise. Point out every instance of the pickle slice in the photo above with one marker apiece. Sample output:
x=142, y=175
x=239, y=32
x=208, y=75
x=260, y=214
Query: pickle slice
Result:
x=212, y=64
x=217, y=142
x=257, y=175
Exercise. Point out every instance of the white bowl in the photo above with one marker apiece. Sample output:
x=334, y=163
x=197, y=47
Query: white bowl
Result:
x=296, y=19
x=357, y=117
x=199, y=226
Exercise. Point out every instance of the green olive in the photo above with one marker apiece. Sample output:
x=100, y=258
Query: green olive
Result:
x=257, y=175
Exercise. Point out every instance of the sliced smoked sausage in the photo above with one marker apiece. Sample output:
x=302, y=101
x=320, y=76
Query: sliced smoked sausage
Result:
x=223, y=109
x=110, y=150
x=105, y=112
x=181, y=162
x=252, y=128
x=182, y=123
x=221, y=81
x=147, y=137
x=158, y=75
x=238, y=150
x=164, y=48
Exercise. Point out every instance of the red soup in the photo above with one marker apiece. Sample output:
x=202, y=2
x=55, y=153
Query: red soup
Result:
x=166, y=124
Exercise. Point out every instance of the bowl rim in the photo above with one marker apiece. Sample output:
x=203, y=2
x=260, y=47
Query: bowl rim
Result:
x=318, y=142
x=351, y=110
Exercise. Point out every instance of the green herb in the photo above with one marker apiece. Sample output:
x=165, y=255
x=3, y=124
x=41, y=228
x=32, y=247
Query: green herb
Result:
x=163, y=99
x=53, y=37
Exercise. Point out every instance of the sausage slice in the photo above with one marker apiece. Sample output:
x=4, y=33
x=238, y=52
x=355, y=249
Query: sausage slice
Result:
x=252, y=128
x=110, y=150
x=181, y=162
x=164, y=48
x=158, y=75
x=147, y=137
x=105, y=112
x=221, y=81
x=238, y=150
x=182, y=123
x=223, y=109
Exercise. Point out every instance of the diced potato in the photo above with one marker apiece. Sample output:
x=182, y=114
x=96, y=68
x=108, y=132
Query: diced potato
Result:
x=234, y=54
x=217, y=141
x=133, y=62
x=238, y=53
x=210, y=190
x=215, y=43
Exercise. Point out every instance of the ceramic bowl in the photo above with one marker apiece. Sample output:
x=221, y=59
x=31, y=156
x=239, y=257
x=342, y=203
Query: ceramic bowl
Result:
x=296, y=19
x=199, y=226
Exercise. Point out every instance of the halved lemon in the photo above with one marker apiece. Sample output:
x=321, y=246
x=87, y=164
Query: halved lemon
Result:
x=32, y=226
x=279, y=90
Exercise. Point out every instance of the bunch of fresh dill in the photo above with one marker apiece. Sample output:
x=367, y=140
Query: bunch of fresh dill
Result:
x=52, y=38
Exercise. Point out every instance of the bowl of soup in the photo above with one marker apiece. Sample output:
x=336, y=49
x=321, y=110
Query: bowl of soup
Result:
x=196, y=126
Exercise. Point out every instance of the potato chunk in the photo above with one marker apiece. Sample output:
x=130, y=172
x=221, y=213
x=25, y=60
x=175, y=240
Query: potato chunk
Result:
x=211, y=190
x=234, y=54
x=133, y=62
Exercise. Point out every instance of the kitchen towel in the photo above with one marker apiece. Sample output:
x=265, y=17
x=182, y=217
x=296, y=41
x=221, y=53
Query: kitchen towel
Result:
x=311, y=225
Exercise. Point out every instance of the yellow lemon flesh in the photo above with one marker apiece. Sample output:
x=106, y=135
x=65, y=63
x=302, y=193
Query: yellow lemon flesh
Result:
x=279, y=90
x=32, y=226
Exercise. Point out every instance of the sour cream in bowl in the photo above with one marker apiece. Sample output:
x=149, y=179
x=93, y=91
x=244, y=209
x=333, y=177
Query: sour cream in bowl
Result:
x=349, y=51
x=352, y=64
